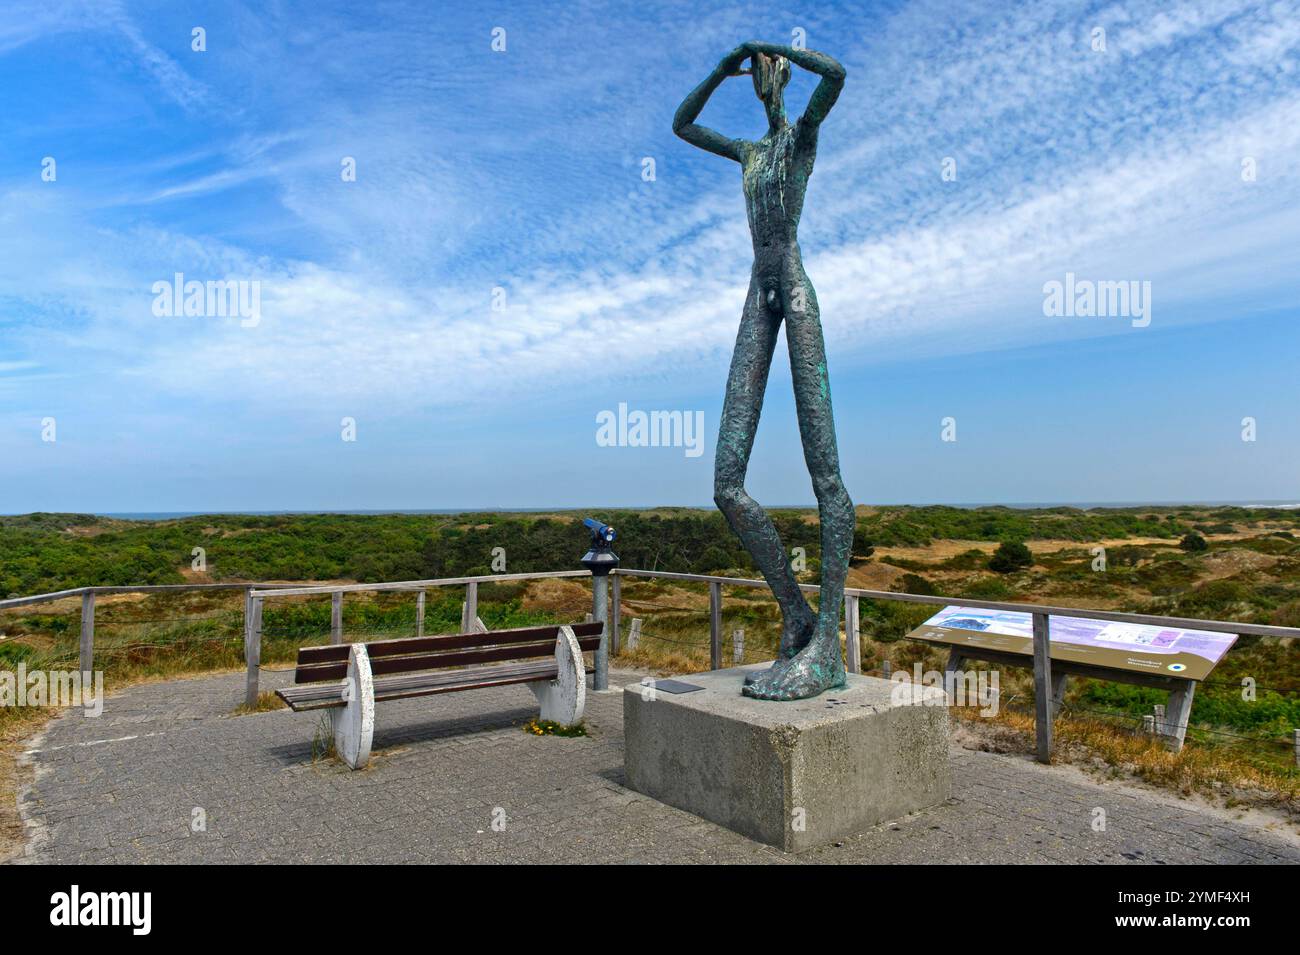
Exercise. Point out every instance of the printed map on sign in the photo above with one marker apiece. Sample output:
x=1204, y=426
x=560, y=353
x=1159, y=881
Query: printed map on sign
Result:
x=1168, y=651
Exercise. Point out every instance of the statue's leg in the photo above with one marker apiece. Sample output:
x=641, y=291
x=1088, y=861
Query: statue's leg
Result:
x=819, y=666
x=741, y=408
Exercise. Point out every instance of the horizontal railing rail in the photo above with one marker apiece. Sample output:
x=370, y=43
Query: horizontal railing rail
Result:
x=298, y=591
x=10, y=603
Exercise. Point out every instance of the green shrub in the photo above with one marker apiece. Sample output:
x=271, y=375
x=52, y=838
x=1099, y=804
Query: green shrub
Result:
x=916, y=584
x=1166, y=577
x=863, y=546
x=987, y=588
x=1127, y=555
x=966, y=560
x=1287, y=615
x=888, y=620
x=11, y=654
x=1010, y=557
x=1216, y=600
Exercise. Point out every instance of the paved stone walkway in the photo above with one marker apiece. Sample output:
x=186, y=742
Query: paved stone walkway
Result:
x=125, y=787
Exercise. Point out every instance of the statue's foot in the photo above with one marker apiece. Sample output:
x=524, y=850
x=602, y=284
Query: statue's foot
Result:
x=795, y=635
x=779, y=665
x=815, y=668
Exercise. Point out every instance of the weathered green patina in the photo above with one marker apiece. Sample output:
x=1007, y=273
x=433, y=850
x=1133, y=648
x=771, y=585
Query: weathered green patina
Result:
x=775, y=175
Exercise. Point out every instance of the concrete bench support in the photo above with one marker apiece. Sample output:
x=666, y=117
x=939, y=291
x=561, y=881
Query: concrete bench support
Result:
x=564, y=699
x=354, y=722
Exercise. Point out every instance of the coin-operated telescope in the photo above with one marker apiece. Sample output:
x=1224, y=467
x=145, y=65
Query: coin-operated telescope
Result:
x=600, y=560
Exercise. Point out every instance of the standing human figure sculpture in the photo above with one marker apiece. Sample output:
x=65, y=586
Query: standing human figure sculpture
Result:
x=776, y=170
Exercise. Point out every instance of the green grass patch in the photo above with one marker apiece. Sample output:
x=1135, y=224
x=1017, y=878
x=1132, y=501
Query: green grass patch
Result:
x=552, y=728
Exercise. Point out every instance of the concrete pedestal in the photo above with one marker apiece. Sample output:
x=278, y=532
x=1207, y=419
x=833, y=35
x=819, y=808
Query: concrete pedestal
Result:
x=791, y=774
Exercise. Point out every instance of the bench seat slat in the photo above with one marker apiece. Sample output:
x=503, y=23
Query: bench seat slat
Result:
x=313, y=696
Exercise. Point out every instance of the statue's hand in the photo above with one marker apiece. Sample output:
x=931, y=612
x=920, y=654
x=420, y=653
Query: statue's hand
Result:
x=769, y=49
x=730, y=64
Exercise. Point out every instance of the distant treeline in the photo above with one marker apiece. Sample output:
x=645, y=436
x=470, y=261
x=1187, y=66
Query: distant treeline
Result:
x=42, y=552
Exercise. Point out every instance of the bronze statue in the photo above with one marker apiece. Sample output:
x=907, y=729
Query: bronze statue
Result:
x=775, y=171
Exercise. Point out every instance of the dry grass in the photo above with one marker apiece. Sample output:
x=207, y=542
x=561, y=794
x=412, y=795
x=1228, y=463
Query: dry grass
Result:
x=1219, y=773
x=664, y=660
x=941, y=550
x=16, y=727
x=674, y=637
x=558, y=595
x=322, y=742
x=874, y=575
x=266, y=702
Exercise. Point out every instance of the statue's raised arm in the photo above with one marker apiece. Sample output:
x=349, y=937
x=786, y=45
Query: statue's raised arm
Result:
x=684, y=124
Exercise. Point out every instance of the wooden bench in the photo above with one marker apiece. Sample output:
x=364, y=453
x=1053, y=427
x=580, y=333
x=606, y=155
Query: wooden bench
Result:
x=349, y=679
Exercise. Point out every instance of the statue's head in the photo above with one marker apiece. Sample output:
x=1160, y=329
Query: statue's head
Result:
x=770, y=75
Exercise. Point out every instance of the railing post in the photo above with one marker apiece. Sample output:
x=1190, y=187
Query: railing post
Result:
x=1296, y=734
x=253, y=650
x=469, y=613
x=600, y=613
x=1043, y=709
x=852, y=647
x=336, y=617
x=419, y=614
x=737, y=647
x=715, y=625
x=615, y=614
x=87, y=655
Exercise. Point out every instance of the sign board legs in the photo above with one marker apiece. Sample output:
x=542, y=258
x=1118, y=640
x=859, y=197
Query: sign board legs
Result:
x=1178, y=711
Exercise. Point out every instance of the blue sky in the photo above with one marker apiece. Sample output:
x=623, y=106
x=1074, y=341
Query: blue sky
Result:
x=522, y=170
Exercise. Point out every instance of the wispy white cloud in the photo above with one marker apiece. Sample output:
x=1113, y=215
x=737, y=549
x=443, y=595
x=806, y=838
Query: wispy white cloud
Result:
x=474, y=176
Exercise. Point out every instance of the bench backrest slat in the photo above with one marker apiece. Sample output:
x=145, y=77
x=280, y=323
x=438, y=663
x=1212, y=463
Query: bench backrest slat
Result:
x=319, y=664
x=338, y=653
x=431, y=661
